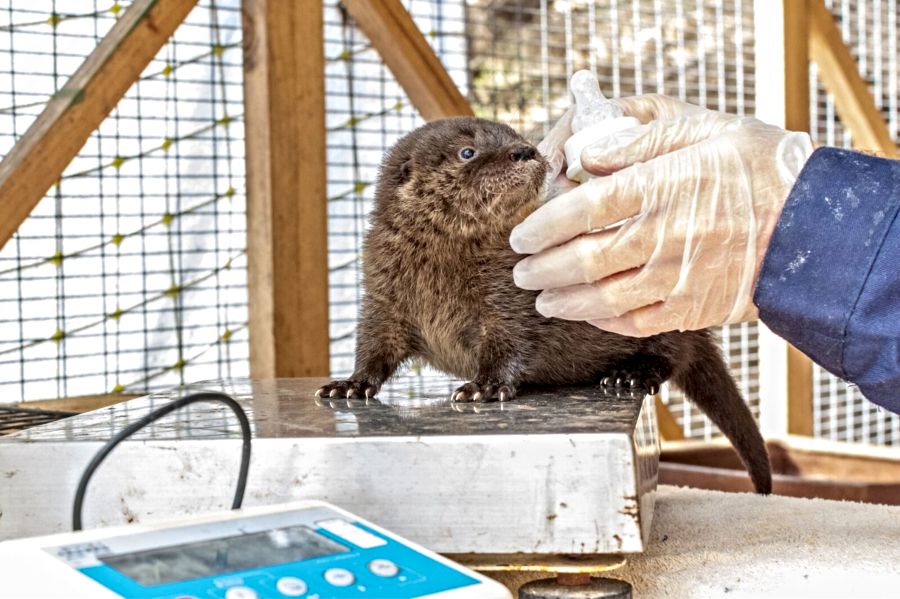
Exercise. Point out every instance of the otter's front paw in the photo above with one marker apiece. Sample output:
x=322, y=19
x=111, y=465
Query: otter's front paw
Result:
x=633, y=381
x=476, y=391
x=348, y=389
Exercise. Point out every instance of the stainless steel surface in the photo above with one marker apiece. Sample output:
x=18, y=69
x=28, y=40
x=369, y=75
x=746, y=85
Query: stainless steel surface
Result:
x=555, y=471
x=410, y=406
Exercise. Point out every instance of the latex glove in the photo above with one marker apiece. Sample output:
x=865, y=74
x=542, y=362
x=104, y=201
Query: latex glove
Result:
x=701, y=192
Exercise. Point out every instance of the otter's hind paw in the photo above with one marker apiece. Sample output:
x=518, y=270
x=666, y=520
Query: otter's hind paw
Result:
x=348, y=389
x=476, y=391
x=632, y=381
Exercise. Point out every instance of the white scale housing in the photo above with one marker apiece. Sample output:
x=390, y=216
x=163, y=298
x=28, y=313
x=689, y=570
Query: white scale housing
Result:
x=311, y=550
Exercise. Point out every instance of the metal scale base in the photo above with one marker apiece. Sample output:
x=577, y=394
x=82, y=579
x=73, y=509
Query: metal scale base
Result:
x=557, y=474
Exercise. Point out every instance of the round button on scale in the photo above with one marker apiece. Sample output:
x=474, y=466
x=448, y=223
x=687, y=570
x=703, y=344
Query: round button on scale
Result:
x=383, y=567
x=291, y=586
x=339, y=577
x=240, y=593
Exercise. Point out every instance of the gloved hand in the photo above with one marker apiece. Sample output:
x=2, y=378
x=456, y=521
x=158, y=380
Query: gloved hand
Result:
x=699, y=192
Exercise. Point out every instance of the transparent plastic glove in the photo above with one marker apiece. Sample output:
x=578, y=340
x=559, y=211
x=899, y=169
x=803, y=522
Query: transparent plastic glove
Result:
x=699, y=193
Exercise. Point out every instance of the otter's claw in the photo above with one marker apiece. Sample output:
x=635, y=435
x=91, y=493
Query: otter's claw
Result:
x=482, y=392
x=348, y=389
x=632, y=381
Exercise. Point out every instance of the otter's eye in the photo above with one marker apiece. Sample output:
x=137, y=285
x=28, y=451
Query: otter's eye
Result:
x=467, y=153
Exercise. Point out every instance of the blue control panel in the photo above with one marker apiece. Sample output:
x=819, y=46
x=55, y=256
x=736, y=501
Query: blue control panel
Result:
x=317, y=554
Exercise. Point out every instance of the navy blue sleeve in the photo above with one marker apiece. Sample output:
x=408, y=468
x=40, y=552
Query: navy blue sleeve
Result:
x=830, y=281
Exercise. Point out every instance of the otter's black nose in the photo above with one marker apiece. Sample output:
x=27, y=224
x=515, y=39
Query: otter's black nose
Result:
x=522, y=153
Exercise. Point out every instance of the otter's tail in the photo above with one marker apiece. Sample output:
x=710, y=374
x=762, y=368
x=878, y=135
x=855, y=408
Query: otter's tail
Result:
x=708, y=384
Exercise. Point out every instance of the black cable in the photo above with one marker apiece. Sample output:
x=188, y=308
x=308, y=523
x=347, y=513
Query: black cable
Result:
x=153, y=417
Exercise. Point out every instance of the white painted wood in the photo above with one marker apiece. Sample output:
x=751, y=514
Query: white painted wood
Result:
x=768, y=46
x=768, y=21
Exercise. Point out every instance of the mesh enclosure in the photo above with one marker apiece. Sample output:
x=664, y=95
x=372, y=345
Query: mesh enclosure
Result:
x=869, y=29
x=130, y=274
x=138, y=254
x=513, y=59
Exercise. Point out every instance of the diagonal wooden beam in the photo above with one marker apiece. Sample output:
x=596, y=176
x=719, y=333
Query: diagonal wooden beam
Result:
x=668, y=426
x=407, y=54
x=838, y=70
x=38, y=159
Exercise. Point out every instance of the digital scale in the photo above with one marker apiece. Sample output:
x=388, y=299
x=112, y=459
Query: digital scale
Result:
x=559, y=476
x=310, y=549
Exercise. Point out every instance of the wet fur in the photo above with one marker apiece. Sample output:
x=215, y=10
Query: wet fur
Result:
x=439, y=287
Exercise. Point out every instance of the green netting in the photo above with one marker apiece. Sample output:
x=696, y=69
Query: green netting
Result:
x=131, y=274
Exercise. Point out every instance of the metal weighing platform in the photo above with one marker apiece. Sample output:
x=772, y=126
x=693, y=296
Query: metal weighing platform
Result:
x=554, y=474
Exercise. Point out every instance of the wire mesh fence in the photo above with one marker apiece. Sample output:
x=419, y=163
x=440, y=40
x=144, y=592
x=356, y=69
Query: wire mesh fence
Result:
x=142, y=237
x=840, y=412
x=130, y=274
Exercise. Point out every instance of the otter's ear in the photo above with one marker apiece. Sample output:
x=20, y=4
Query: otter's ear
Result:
x=405, y=172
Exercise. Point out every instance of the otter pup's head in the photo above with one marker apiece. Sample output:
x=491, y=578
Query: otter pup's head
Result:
x=462, y=174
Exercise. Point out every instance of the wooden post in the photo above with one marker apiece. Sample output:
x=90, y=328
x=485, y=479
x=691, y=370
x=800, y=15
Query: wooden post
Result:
x=796, y=118
x=287, y=234
x=800, y=393
x=796, y=65
x=852, y=99
x=406, y=52
x=38, y=159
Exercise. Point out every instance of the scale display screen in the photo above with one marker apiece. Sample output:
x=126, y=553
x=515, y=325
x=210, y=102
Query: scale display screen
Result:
x=178, y=563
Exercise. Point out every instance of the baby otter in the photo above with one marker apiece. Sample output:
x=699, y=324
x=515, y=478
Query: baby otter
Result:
x=437, y=272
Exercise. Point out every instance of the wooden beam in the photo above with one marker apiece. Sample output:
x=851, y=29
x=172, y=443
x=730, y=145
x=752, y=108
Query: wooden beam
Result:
x=668, y=426
x=287, y=233
x=38, y=159
x=406, y=52
x=800, y=393
x=838, y=70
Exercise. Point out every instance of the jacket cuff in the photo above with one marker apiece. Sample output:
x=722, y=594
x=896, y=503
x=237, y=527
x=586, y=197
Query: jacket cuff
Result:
x=828, y=237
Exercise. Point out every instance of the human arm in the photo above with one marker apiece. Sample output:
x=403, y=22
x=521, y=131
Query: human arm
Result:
x=830, y=281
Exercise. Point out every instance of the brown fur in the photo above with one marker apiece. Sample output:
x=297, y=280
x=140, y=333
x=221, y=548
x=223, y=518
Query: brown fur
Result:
x=439, y=287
